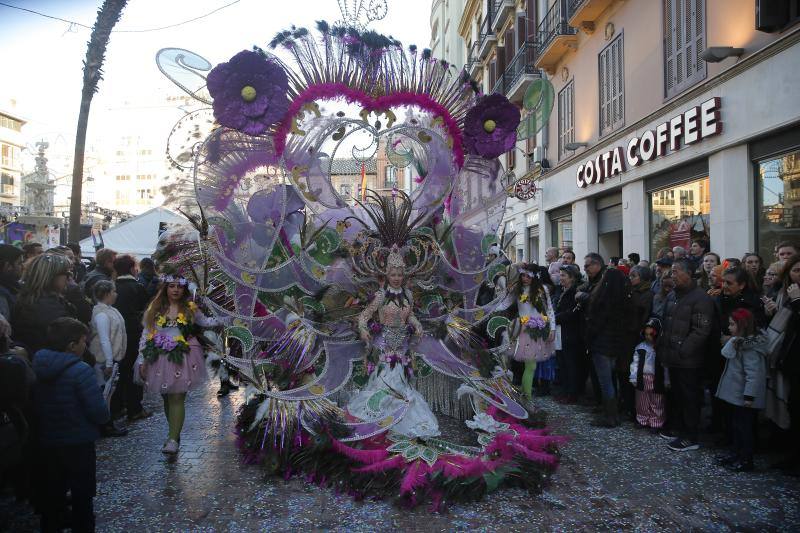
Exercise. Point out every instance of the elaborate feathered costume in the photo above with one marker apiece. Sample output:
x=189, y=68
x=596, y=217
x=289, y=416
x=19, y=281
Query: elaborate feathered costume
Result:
x=360, y=293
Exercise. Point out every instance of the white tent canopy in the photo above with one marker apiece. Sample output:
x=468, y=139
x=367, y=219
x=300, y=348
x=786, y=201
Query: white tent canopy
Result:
x=137, y=236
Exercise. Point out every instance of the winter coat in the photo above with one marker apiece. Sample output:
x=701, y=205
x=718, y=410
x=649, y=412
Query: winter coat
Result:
x=641, y=308
x=746, y=299
x=98, y=274
x=745, y=374
x=30, y=321
x=687, y=323
x=605, y=316
x=8, y=297
x=645, y=361
x=82, y=305
x=67, y=400
x=789, y=356
x=568, y=316
x=107, y=326
x=132, y=300
x=149, y=282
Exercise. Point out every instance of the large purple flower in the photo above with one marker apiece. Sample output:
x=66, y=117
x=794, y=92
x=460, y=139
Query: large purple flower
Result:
x=490, y=127
x=249, y=92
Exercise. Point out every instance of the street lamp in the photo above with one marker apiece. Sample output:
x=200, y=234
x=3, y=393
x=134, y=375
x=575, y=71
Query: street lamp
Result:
x=715, y=54
x=574, y=146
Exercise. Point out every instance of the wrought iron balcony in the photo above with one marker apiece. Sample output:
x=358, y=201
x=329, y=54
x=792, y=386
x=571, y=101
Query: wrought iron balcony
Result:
x=487, y=38
x=583, y=13
x=521, y=71
x=556, y=36
x=500, y=11
x=474, y=63
x=500, y=85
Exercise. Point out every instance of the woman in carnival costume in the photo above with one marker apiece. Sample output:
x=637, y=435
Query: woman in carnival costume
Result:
x=534, y=327
x=387, y=326
x=170, y=355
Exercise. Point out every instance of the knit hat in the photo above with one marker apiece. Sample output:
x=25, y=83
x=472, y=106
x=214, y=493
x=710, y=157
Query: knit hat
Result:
x=655, y=324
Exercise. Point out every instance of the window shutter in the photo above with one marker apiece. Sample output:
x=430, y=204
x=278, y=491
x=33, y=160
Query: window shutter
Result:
x=530, y=14
x=492, y=74
x=684, y=41
x=510, y=46
x=611, y=66
x=520, y=25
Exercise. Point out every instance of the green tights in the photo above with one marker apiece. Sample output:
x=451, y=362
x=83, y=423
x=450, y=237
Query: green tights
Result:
x=527, y=378
x=175, y=412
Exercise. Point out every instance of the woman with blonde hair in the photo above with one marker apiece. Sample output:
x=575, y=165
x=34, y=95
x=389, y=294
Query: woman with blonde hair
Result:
x=41, y=299
x=170, y=359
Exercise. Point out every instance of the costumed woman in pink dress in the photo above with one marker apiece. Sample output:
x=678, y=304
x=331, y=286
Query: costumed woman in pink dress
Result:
x=170, y=355
x=534, y=324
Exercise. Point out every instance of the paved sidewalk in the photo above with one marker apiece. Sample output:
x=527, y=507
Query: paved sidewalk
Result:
x=618, y=479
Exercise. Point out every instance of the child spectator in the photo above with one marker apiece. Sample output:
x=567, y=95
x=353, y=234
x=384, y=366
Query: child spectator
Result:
x=70, y=409
x=650, y=379
x=744, y=386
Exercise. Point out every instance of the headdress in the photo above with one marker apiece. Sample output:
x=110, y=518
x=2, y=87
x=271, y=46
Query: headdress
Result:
x=169, y=278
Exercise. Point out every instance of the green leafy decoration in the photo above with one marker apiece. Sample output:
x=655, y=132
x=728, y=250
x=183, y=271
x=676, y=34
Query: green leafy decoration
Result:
x=243, y=335
x=495, y=324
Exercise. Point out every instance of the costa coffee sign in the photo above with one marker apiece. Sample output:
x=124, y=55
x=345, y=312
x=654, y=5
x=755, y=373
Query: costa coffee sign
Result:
x=690, y=127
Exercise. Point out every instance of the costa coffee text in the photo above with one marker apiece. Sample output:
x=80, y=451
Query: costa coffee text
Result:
x=693, y=125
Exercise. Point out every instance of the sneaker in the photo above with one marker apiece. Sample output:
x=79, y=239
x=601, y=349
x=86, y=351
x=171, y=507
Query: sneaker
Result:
x=170, y=447
x=667, y=435
x=682, y=445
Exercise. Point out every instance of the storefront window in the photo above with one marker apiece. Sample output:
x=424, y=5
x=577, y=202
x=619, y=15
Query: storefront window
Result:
x=562, y=233
x=679, y=214
x=778, y=202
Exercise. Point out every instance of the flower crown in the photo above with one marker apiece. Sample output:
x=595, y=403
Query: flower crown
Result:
x=169, y=278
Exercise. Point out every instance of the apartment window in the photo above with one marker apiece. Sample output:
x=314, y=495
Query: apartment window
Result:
x=7, y=155
x=144, y=177
x=778, y=195
x=566, y=117
x=612, y=86
x=391, y=177
x=10, y=123
x=145, y=152
x=122, y=197
x=123, y=178
x=346, y=190
x=6, y=183
x=684, y=41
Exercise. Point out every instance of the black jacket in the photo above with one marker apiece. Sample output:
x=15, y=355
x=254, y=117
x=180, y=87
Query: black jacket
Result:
x=641, y=309
x=606, y=313
x=568, y=316
x=131, y=302
x=149, y=282
x=99, y=273
x=658, y=377
x=746, y=299
x=9, y=288
x=30, y=322
x=687, y=324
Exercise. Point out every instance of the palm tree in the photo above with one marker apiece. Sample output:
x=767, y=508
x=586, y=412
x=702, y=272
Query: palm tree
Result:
x=107, y=17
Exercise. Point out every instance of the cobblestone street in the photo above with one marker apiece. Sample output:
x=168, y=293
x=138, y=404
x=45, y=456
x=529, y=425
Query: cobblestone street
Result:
x=623, y=479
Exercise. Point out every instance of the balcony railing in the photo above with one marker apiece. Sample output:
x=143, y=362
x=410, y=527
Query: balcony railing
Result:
x=554, y=35
x=486, y=36
x=474, y=59
x=500, y=85
x=500, y=10
x=524, y=63
x=555, y=24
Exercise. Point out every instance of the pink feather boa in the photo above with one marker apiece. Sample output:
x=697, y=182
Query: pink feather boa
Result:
x=334, y=91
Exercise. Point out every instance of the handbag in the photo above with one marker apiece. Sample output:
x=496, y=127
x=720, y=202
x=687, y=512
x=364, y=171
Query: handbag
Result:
x=558, y=344
x=776, y=334
x=137, y=370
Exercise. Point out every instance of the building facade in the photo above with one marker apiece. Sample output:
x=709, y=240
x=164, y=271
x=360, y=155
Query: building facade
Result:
x=672, y=120
x=446, y=43
x=11, y=145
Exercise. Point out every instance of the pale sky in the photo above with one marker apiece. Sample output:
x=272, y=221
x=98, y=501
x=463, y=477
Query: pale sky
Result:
x=42, y=58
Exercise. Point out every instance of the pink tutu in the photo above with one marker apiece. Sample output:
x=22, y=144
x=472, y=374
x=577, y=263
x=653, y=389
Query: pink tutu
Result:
x=166, y=377
x=532, y=350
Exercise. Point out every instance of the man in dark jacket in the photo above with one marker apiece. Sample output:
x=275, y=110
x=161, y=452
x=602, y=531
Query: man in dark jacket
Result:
x=70, y=409
x=10, y=272
x=131, y=302
x=103, y=270
x=688, y=318
x=605, y=312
